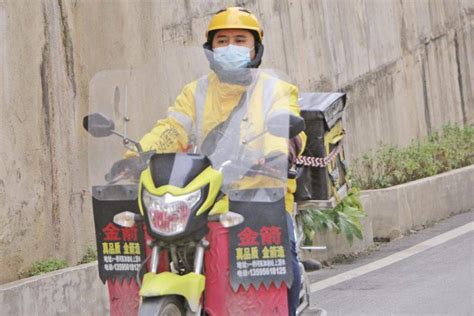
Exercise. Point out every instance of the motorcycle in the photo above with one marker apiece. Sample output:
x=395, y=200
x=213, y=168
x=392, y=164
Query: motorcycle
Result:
x=210, y=224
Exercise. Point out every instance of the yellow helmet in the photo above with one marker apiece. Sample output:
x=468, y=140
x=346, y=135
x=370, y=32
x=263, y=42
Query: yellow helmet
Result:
x=235, y=18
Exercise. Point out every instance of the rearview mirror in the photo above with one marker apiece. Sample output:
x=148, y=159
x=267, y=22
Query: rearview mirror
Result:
x=285, y=124
x=98, y=125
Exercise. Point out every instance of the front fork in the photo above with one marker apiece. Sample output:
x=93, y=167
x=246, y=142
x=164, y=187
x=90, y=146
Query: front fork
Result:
x=190, y=286
x=201, y=247
x=155, y=259
x=199, y=255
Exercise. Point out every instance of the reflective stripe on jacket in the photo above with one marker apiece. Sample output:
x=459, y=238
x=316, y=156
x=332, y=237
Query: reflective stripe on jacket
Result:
x=207, y=102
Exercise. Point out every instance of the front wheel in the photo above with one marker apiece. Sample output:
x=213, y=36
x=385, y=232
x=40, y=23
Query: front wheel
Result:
x=163, y=306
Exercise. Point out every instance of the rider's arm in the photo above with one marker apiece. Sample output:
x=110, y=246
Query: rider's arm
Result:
x=288, y=99
x=172, y=133
x=285, y=98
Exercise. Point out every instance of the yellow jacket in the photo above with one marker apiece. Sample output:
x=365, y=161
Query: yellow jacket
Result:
x=205, y=103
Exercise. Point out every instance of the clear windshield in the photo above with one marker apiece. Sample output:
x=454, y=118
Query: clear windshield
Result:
x=235, y=118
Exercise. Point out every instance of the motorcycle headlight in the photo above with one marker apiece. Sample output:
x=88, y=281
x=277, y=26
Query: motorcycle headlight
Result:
x=168, y=214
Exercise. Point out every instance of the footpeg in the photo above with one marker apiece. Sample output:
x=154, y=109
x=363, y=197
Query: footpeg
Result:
x=311, y=265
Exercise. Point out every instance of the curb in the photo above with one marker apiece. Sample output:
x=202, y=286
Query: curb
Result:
x=396, y=210
x=71, y=291
x=393, y=212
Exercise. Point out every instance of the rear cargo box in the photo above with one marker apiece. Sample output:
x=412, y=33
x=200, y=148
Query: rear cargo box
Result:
x=322, y=174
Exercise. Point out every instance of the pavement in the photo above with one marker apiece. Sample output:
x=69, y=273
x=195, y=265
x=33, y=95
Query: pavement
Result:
x=429, y=272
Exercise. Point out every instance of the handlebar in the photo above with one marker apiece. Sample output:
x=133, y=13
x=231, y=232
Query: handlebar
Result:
x=128, y=168
x=268, y=167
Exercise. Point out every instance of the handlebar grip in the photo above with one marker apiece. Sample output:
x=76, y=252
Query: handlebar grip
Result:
x=292, y=174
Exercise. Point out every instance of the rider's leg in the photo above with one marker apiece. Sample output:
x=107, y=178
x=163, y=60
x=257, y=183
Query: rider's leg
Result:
x=294, y=290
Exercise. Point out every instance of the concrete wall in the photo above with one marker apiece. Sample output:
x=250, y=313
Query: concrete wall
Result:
x=396, y=210
x=72, y=291
x=44, y=210
x=405, y=65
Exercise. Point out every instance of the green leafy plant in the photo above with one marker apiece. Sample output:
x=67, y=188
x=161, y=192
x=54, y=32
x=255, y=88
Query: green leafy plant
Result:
x=89, y=256
x=344, y=218
x=315, y=221
x=41, y=267
x=387, y=166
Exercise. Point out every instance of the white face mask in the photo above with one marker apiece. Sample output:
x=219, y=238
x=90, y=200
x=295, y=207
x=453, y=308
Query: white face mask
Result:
x=232, y=56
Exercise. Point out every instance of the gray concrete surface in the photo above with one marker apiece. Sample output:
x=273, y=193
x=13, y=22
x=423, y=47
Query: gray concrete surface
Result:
x=404, y=64
x=72, y=291
x=396, y=210
x=385, y=249
x=438, y=281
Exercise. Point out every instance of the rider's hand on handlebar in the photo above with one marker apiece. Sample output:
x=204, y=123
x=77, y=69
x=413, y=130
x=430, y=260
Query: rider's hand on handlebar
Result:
x=294, y=149
x=131, y=154
x=125, y=168
x=271, y=165
x=130, y=168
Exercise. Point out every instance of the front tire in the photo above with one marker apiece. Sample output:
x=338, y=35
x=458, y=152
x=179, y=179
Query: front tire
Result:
x=163, y=306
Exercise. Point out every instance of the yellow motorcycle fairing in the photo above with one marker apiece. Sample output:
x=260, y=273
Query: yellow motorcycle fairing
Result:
x=190, y=286
x=220, y=207
x=208, y=176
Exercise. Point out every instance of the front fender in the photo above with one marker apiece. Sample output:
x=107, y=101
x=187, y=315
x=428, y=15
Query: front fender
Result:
x=190, y=286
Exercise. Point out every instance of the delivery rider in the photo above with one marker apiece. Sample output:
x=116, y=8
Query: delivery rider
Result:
x=233, y=47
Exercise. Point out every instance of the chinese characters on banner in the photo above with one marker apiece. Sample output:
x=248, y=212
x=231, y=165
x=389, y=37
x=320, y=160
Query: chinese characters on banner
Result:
x=260, y=253
x=120, y=250
x=259, y=246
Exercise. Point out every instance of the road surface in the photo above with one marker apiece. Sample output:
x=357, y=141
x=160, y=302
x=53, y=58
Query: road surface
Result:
x=430, y=272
